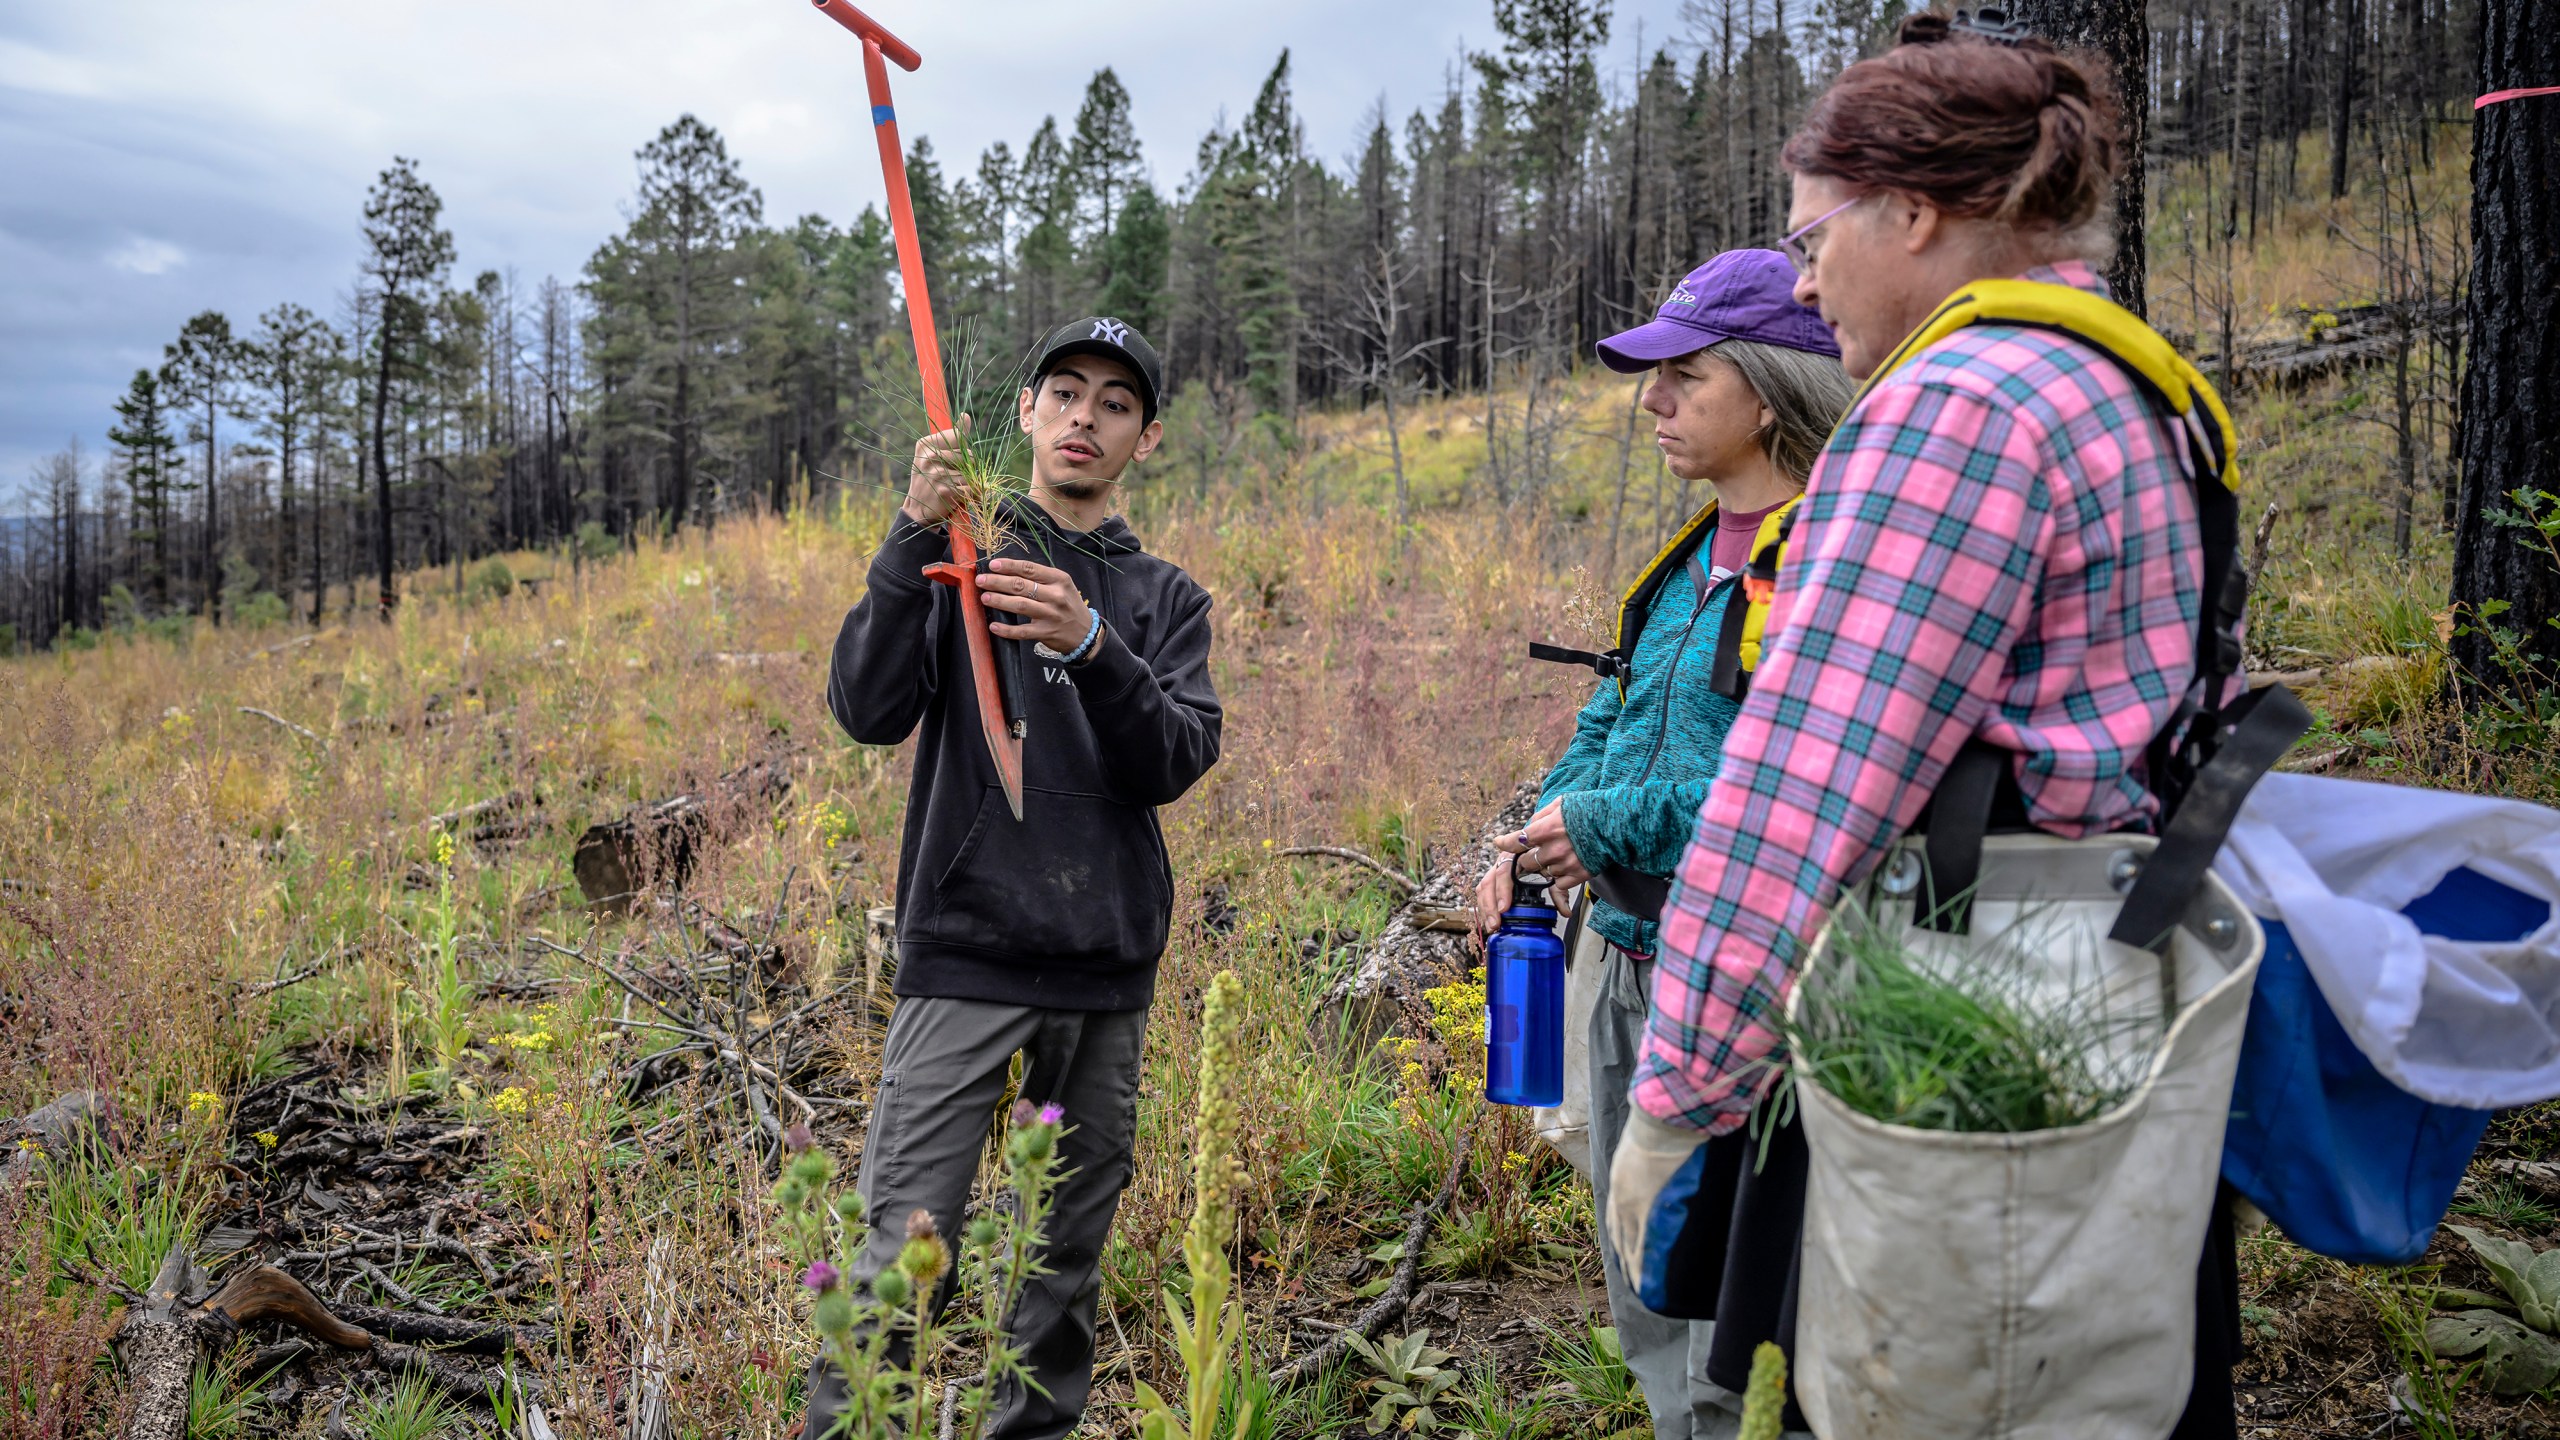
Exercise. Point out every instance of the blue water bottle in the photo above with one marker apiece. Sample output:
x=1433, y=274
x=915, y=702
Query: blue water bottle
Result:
x=1524, y=1000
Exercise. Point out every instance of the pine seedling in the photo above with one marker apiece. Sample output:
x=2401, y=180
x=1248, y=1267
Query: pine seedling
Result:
x=993, y=457
x=1207, y=1336
x=1985, y=1043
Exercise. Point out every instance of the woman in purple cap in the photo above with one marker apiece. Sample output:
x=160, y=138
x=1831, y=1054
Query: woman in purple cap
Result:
x=1747, y=384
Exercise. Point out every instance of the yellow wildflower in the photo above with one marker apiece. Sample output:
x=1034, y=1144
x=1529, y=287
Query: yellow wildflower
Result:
x=267, y=1139
x=204, y=1103
x=511, y=1101
x=444, y=849
x=535, y=1040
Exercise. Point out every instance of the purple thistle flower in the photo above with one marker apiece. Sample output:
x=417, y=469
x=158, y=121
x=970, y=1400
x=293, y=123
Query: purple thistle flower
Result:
x=1022, y=1112
x=820, y=1276
x=797, y=1139
x=1052, y=1114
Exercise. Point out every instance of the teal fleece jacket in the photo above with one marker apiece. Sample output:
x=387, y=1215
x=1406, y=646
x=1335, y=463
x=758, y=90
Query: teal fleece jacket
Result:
x=1636, y=773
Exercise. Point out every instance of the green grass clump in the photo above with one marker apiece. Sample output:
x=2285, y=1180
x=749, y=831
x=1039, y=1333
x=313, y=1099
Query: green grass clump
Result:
x=1977, y=1045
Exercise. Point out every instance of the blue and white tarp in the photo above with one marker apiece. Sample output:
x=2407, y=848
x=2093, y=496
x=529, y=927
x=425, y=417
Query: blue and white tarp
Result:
x=2471, y=1022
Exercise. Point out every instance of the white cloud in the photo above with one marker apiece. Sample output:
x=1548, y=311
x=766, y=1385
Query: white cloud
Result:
x=143, y=255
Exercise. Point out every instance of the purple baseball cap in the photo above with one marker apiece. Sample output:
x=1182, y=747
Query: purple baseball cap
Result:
x=1738, y=295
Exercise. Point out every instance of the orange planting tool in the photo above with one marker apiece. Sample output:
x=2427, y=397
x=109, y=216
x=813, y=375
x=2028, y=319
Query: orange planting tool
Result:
x=1004, y=737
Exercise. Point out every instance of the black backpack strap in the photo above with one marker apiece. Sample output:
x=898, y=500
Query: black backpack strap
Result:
x=1607, y=664
x=1632, y=892
x=2255, y=732
x=1728, y=678
x=1959, y=815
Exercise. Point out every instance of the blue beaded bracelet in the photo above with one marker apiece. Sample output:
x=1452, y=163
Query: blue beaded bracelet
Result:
x=1084, y=647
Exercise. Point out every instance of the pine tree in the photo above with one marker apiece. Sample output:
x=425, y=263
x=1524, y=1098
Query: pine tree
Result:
x=202, y=375
x=2119, y=31
x=1049, y=288
x=1136, y=256
x=1106, y=158
x=2506, y=574
x=141, y=431
x=694, y=206
x=407, y=256
x=286, y=363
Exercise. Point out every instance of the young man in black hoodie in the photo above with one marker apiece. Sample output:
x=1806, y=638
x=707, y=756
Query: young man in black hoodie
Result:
x=1036, y=937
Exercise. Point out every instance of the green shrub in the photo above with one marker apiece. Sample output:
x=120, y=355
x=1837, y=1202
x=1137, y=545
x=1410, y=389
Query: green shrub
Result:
x=492, y=580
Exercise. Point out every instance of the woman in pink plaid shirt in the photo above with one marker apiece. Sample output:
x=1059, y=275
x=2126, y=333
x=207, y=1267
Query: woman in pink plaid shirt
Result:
x=1998, y=544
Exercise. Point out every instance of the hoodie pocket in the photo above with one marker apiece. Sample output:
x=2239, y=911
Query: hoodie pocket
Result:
x=1078, y=877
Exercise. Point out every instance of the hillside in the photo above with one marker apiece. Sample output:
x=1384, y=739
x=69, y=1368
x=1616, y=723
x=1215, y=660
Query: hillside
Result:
x=303, y=904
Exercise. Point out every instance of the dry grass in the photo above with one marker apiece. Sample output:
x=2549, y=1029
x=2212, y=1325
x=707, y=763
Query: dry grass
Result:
x=162, y=851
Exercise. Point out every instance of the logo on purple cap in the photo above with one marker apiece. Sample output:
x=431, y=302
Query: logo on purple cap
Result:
x=1682, y=295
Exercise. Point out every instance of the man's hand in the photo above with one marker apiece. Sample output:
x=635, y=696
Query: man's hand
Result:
x=933, y=485
x=1544, y=849
x=1051, y=610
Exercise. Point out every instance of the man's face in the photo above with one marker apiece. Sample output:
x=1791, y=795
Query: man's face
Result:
x=1086, y=424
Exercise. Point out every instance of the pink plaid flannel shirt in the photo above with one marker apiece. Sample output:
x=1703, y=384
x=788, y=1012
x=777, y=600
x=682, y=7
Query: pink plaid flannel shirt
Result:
x=1999, y=540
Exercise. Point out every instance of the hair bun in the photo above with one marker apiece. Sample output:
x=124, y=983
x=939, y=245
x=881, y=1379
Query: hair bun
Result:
x=1926, y=28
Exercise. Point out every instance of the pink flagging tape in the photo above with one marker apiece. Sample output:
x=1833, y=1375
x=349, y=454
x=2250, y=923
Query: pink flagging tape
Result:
x=2529, y=91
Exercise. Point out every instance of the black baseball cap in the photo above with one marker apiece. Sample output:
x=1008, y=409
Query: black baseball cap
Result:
x=1115, y=339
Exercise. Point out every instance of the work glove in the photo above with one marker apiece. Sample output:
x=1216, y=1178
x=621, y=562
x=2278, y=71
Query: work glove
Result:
x=1653, y=1177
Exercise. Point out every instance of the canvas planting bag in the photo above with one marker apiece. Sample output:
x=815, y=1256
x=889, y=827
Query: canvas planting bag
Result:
x=2036, y=1286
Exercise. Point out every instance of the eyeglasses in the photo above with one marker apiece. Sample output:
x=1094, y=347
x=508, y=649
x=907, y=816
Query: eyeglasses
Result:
x=1802, y=255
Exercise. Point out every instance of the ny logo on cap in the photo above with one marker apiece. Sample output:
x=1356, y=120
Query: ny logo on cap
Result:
x=1115, y=331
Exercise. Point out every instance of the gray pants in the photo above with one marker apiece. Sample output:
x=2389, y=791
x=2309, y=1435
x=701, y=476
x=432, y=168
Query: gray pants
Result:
x=1668, y=1357
x=942, y=1070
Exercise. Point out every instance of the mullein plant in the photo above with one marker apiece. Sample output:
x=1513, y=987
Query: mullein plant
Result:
x=1764, y=1400
x=1207, y=1336
x=999, y=1255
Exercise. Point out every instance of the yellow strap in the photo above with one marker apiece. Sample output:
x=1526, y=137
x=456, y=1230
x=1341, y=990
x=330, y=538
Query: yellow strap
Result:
x=2101, y=323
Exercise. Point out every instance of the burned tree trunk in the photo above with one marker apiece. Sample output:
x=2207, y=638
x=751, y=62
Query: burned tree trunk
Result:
x=2120, y=30
x=166, y=1333
x=2511, y=389
x=655, y=846
x=172, y=1327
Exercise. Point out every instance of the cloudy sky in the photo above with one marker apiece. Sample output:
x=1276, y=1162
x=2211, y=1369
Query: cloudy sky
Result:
x=158, y=158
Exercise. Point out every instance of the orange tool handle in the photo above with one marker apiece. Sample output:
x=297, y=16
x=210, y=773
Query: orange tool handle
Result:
x=900, y=53
x=1004, y=738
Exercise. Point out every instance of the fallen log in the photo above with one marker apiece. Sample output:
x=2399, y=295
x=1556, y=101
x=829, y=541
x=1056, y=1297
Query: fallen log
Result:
x=167, y=1333
x=1420, y=949
x=55, y=1129
x=619, y=859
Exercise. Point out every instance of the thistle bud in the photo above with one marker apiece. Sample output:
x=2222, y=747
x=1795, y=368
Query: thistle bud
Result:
x=833, y=1314
x=984, y=1232
x=892, y=1288
x=813, y=1168
x=798, y=1138
x=924, y=1258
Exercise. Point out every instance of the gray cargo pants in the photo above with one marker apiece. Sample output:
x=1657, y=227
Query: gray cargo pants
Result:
x=942, y=1070
x=1668, y=1357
